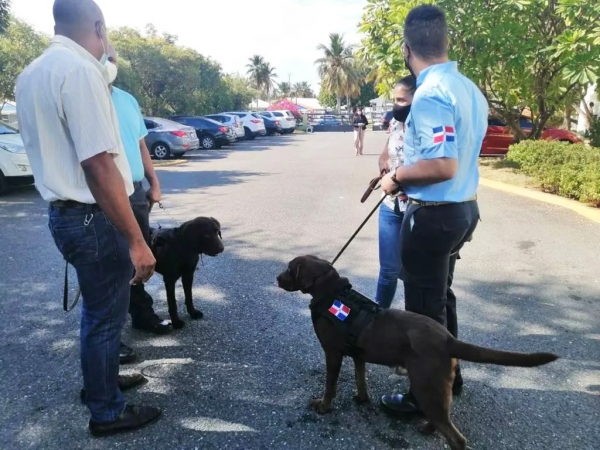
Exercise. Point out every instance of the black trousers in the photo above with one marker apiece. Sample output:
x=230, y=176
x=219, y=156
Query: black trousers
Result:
x=140, y=302
x=431, y=239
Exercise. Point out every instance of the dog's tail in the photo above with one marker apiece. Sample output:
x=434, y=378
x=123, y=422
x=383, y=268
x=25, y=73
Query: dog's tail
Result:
x=468, y=352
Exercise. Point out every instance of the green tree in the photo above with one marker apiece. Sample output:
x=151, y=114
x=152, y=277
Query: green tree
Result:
x=19, y=46
x=327, y=99
x=255, y=67
x=268, y=76
x=526, y=55
x=4, y=15
x=336, y=68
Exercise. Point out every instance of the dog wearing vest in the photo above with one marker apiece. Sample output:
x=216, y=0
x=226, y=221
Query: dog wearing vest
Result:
x=177, y=252
x=349, y=324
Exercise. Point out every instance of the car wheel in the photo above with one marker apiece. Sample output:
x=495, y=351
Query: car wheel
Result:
x=249, y=135
x=207, y=142
x=3, y=184
x=292, y=131
x=160, y=150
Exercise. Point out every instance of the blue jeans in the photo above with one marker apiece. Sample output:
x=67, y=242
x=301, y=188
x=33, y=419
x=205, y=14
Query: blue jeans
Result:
x=390, y=263
x=100, y=255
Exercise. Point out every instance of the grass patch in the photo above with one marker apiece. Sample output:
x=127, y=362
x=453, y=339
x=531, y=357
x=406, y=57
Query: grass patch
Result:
x=505, y=171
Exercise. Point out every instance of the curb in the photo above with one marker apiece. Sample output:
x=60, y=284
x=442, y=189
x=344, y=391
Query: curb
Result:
x=590, y=213
x=168, y=163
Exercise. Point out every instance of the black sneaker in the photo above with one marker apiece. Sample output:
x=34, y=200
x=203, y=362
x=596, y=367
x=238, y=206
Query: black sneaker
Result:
x=400, y=403
x=153, y=324
x=132, y=418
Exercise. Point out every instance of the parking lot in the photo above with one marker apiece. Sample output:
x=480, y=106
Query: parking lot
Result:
x=243, y=376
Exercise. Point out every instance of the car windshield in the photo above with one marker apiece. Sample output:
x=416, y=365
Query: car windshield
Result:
x=278, y=114
x=7, y=129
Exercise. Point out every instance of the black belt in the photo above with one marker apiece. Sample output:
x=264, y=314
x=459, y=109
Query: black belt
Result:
x=426, y=203
x=72, y=204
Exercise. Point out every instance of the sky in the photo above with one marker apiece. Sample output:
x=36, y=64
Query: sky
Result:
x=285, y=32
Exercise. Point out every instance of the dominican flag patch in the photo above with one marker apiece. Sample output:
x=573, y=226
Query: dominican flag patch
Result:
x=441, y=134
x=339, y=310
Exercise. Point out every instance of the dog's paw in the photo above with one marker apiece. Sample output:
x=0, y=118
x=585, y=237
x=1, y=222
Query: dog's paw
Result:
x=320, y=406
x=195, y=314
x=426, y=428
x=362, y=398
x=178, y=324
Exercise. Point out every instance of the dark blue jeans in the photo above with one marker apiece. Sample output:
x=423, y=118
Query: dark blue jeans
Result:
x=390, y=224
x=100, y=255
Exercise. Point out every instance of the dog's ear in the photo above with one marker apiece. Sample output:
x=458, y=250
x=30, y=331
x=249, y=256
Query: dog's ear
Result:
x=217, y=223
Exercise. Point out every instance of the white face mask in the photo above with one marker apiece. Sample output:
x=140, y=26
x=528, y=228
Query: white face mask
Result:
x=112, y=71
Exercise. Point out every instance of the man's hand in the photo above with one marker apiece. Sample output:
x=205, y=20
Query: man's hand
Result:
x=384, y=165
x=143, y=262
x=387, y=185
x=154, y=195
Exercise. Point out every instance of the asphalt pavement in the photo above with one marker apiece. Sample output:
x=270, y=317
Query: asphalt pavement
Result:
x=242, y=377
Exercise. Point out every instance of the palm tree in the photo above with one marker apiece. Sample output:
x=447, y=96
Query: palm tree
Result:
x=285, y=90
x=255, y=72
x=336, y=67
x=302, y=89
x=267, y=77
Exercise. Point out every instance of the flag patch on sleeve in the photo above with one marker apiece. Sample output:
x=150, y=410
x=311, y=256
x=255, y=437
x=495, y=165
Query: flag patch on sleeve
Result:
x=443, y=134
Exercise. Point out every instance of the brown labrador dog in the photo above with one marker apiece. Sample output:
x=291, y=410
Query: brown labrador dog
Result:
x=177, y=252
x=395, y=338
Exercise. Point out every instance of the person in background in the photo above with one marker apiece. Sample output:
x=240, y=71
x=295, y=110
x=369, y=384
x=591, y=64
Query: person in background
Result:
x=440, y=175
x=391, y=212
x=359, y=122
x=133, y=130
x=71, y=135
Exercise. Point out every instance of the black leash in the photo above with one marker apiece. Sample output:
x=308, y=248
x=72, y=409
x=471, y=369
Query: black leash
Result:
x=359, y=228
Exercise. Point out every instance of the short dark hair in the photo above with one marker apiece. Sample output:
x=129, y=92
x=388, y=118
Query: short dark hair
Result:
x=76, y=14
x=426, y=32
x=409, y=82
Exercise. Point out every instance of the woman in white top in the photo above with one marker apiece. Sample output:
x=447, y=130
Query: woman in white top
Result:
x=392, y=210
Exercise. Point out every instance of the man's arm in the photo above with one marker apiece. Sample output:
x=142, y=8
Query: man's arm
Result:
x=435, y=131
x=154, y=194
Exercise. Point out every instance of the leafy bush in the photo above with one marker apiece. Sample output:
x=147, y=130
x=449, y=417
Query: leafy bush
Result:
x=594, y=132
x=569, y=170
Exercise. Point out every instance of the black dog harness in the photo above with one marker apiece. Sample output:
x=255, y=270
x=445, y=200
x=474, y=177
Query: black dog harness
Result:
x=351, y=312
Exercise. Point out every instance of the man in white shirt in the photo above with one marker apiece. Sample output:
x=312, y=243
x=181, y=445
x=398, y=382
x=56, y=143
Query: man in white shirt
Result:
x=71, y=135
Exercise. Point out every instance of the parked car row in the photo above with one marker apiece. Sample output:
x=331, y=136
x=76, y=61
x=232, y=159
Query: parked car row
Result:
x=174, y=136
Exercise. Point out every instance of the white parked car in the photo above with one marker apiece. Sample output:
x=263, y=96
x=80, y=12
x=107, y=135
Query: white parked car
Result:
x=253, y=123
x=14, y=165
x=287, y=122
x=232, y=121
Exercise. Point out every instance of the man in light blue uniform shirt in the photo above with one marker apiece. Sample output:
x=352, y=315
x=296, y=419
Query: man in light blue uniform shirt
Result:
x=445, y=130
x=133, y=130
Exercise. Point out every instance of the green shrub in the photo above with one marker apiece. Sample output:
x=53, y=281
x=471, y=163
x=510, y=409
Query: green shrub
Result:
x=569, y=170
x=594, y=132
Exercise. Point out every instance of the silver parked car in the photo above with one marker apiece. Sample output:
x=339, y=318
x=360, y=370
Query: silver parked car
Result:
x=167, y=138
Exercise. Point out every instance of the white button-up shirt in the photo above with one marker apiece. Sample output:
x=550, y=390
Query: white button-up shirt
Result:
x=66, y=116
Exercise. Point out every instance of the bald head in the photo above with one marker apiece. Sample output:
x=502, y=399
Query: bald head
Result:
x=83, y=22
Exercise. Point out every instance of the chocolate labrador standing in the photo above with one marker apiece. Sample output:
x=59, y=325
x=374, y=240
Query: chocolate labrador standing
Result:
x=177, y=252
x=346, y=323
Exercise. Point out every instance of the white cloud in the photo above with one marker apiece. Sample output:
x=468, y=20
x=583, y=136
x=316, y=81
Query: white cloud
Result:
x=285, y=32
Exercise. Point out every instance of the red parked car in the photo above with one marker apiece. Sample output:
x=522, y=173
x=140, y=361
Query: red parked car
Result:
x=499, y=137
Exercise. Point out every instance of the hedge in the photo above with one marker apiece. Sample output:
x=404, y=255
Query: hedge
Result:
x=569, y=170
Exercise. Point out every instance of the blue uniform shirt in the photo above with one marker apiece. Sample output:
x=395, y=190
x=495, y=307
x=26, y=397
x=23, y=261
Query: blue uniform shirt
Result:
x=448, y=119
x=132, y=129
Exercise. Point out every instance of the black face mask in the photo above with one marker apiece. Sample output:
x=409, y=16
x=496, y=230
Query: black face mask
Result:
x=401, y=112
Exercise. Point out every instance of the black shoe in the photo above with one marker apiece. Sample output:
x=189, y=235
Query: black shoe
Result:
x=126, y=382
x=457, y=387
x=400, y=404
x=127, y=355
x=153, y=324
x=131, y=418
